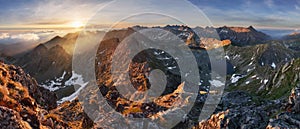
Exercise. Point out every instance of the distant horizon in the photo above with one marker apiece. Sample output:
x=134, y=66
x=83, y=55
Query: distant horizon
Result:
x=16, y=28
x=40, y=35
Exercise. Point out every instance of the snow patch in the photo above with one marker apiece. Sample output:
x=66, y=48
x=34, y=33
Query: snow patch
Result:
x=165, y=58
x=54, y=85
x=170, y=68
x=273, y=65
x=235, y=78
x=224, y=31
x=72, y=96
x=254, y=76
x=227, y=57
x=249, y=70
x=247, y=82
x=250, y=63
x=216, y=83
x=199, y=83
x=236, y=56
x=266, y=81
x=76, y=79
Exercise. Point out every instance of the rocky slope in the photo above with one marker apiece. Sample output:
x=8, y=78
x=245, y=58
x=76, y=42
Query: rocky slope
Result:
x=25, y=105
x=241, y=110
x=260, y=78
x=263, y=70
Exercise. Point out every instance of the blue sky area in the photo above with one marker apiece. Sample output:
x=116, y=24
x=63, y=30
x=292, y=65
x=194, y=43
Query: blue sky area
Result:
x=58, y=14
x=260, y=13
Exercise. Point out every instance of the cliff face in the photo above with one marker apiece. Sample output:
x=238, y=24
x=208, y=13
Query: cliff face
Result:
x=25, y=105
x=15, y=80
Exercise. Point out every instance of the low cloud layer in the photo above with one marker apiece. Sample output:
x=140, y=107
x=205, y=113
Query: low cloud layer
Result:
x=11, y=37
x=16, y=38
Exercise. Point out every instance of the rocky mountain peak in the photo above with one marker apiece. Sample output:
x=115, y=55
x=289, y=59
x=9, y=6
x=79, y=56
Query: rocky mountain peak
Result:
x=46, y=63
x=40, y=47
x=56, y=38
x=251, y=28
x=292, y=36
x=242, y=36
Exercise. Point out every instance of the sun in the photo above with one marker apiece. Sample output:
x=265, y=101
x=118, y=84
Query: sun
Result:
x=77, y=24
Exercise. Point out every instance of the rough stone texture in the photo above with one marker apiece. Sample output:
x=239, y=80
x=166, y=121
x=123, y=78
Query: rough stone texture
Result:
x=19, y=108
x=10, y=119
x=291, y=117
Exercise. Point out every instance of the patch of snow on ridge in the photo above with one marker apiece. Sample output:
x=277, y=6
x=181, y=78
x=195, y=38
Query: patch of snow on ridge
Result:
x=170, y=68
x=250, y=63
x=53, y=85
x=216, y=83
x=250, y=69
x=227, y=57
x=254, y=76
x=266, y=81
x=76, y=79
x=72, y=96
x=273, y=65
x=224, y=31
x=247, y=82
x=235, y=78
x=164, y=58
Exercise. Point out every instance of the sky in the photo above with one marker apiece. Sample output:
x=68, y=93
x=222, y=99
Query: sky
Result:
x=30, y=18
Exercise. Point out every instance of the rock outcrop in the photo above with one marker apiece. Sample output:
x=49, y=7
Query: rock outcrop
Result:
x=240, y=110
x=25, y=105
x=290, y=117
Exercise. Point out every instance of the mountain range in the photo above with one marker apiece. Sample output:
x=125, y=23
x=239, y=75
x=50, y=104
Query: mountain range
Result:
x=261, y=74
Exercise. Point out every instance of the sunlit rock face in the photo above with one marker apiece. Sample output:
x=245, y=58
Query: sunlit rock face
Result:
x=242, y=36
x=25, y=105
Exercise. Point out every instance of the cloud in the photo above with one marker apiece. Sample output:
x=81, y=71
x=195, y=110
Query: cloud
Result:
x=32, y=36
x=9, y=38
x=4, y=35
x=19, y=37
x=26, y=37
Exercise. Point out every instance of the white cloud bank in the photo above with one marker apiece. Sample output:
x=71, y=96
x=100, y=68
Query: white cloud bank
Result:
x=19, y=37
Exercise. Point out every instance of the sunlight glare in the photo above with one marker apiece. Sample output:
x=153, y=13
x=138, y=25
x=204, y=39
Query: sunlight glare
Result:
x=77, y=24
